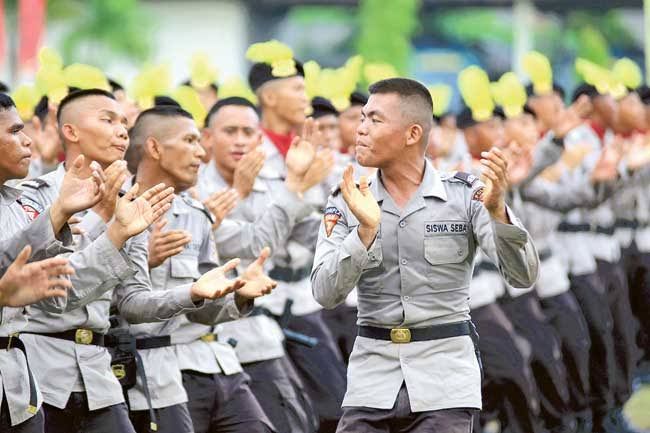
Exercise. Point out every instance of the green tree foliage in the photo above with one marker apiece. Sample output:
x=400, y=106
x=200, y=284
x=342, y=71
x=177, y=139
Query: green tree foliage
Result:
x=385, y=31
x=103, y=30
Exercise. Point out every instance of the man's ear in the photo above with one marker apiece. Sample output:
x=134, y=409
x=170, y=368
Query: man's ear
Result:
x=268, y=97
x=414, y=134
x=154, y=148
x=70, y=133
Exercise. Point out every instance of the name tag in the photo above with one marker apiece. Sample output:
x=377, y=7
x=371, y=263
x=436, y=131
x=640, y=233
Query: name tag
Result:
x=434, y=228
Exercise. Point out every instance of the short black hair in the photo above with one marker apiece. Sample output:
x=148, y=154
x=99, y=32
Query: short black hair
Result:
x=213, y=86
x=115, y=86
x=232, y=100
x=6, y=103
x=584, y=89
x=42, y=109
x=323, y=107
x=3, y=87
x=78, y=94
x=164, y=111
x=358, y=98
x=557, y=88
x=404, y=87
x=644, y=93
x=137, y=132
x=162, y=101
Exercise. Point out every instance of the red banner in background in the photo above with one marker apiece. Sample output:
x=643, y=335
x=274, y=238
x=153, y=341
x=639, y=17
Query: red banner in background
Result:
x=3, y=38
x=31, y=24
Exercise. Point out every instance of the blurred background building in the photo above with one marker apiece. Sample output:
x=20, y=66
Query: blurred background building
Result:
x=431, y=40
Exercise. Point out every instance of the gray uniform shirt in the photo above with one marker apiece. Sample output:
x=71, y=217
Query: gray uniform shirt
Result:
x=266, y=217
x=16, y=232
x=62, y=366
x=161, y=365
x=416, y=274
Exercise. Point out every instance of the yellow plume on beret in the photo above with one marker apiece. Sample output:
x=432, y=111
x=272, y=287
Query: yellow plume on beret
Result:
x=85, y=77
x=235, y=86
x=26, y=96
x=510, y=94
x=474, y=86
x=190, y=101
x=50, y=80
x=152, y=81
x=202, y=73
x=441, y=95
x=538, y=69
x=601, y=78
x=379, y=71
x=276, y=54
x=627, y=72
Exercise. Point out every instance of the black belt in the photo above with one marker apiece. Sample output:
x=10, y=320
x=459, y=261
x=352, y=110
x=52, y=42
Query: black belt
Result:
x=622, y=223
x=79, y=336
x=407, y=335
x=13, y=342
x=484, y=267
x=290, y=275
x=565, y=227
x=153, y=342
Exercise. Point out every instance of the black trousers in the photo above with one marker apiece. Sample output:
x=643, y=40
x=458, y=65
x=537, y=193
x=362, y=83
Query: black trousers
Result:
x=509, y=389
x=342, y=323
x=591, y=294
x=637, y=268
x=547, y=364
x=76, y=418
x=224, y=404
x=565, y=315
x=279, y=391
x=171, y=419
x=32, y=425
x=320, y=368
x=400, y=419
x=624, y=329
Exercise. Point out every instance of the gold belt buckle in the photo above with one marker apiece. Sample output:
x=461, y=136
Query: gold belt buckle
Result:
x=11, y=337
x=208, y=338
x=83, y=336
x=119, y=371
x=400, y=335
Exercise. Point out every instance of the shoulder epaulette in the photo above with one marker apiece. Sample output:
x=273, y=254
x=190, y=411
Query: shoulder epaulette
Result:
x=466, y=178
x=35, y=183
x=337, y=189
x=197, y=205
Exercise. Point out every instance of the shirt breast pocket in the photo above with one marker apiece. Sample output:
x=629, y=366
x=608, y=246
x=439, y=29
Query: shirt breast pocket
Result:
x=185, y=268
x=446, y=257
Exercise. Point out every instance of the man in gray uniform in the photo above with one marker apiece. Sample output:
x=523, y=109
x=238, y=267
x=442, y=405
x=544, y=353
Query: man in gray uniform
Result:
x=48, y=235
x=414, y=366
x=66, y=350
x=219, y=396
x=268, y=213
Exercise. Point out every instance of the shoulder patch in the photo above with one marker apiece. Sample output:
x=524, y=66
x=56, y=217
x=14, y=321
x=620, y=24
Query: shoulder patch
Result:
x=32, y=208
x=197, y=205
x=330, y=218
x=478, y=194
x=468, y=179
x=35, y=183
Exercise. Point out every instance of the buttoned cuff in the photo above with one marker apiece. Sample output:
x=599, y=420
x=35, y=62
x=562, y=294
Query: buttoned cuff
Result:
x=234, y=312
x=182, y=296
x=92, y=224
x=513, y=233
x=361, y=257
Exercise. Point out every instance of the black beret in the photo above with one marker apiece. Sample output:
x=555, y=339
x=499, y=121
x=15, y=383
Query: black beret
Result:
x=556, y=88
x=358, y=98
x=584, y=89
x=322, y=107
x=261, y=73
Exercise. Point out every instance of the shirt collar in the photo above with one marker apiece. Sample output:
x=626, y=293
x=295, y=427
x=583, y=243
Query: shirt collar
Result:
x=431, y=185
x=9, y=195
